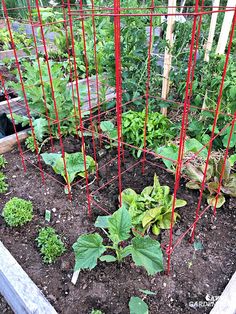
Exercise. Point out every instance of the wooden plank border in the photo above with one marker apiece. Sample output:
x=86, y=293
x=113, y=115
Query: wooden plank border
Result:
x=20, y=292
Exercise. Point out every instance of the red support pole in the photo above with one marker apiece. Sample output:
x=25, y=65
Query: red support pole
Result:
x=79, y=106
x=118, y=89
x=182, y=138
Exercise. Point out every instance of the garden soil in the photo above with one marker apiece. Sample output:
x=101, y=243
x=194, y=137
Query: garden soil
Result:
x=197, y=275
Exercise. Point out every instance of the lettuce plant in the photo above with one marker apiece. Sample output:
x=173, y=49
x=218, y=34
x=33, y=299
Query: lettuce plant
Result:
x=214, y=170
x=158, y=129
x=17, y=212
x=144, y=251
x=74, y=165
x=152, y=207
x=50, y=244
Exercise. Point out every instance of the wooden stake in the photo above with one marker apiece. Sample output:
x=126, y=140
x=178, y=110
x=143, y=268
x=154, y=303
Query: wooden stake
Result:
x=216, y=4
x=226, y=26
x=168, y=56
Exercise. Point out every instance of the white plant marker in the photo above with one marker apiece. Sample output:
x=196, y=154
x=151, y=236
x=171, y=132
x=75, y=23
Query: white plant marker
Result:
x=75, y=277
x=168, y=56
x=226, y=26
x=215, y=4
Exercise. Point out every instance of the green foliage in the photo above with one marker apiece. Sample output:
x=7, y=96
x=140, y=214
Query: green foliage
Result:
x=94, y=311
x=20, y=40
x=65, y=111
x=145, y=251
x=158, y=129
x=170, y=151
x=3, y=161
x=3, y=184
x=152, y=208
x=74, y=165
x=17, y=212
x=50, y=245
x=109, y=129
x=30, y=143
x=138, y=306
x=214, y=170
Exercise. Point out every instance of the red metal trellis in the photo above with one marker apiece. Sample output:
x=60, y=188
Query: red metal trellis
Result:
x=83, y=125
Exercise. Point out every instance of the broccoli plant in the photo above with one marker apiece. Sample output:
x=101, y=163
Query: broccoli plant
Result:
x=74, y=166
x=17, y=212
x=50, y=245
x=152, y=208
x=144, y=251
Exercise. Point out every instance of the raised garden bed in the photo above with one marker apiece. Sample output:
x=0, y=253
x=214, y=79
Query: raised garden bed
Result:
x=110, y=286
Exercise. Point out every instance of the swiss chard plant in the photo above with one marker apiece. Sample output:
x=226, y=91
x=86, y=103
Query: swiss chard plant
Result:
x=144, y=251
x=151, y=208
x=74, y=166
x=228, y=185
x=158, y=129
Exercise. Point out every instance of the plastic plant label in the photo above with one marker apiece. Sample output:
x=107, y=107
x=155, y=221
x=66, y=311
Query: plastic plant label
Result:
x=47, y=215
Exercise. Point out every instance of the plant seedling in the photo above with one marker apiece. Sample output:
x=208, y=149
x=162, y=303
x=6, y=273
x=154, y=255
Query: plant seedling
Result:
x=214, y=170
x=17, y=212
x=152, y=208
x=74, y=166
x=50, y=245
x=3, y=162
x=3, y=184
x=144, y=251
x=110, y=130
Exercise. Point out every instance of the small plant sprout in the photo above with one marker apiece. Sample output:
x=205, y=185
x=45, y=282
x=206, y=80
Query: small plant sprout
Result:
x=3, y=184
x=138, y=306
x=144, y=251
x=50, y=245
x=17, y=212
x=3, y=162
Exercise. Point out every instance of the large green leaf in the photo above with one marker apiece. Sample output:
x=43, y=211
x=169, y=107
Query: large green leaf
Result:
x=119, y=225
x=229, y=187
x=40, y=128
x=180, y=203
x=165, y=222
x=151, y=216
x=147, y=252
x=211, y=200
x=74, y=164
x=128, y=196
x=88, y=248
x=137, y=306
x=102, y=222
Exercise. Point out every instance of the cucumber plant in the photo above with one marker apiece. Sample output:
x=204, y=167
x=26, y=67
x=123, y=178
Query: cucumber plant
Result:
x=144, y=251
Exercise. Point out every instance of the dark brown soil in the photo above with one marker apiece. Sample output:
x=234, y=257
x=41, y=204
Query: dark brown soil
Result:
x=195, y=274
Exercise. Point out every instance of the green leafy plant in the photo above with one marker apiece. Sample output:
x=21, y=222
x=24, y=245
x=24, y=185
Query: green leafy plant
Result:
x=29, y=142
x=94, y=311
x=110, y=130
x=50, y=245
x=17, y=212
x=214, y=170
x=170, y=151
x=152, y=207
x=158, y=129
x=3, y=184
x=74, y=166
x=144, y=251
x=3, y=161
x=138, y=306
